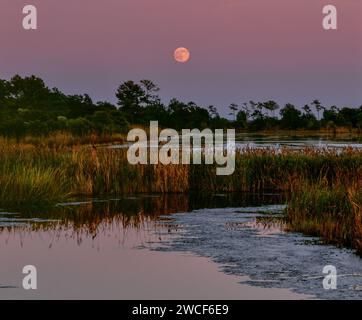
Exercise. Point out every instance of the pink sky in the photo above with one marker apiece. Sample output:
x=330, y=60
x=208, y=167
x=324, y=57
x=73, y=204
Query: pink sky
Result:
x=240, y=49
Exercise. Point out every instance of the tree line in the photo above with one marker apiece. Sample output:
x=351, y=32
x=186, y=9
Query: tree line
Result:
x=29, y=107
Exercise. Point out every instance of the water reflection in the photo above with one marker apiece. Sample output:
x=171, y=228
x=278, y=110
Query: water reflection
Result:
x=267, y=225
x=93, y=248
x=251, y=241
x=294, y=141
x=109, y=249
x=89, y=218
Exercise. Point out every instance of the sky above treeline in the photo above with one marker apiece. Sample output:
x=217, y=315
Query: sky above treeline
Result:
x=240, y=49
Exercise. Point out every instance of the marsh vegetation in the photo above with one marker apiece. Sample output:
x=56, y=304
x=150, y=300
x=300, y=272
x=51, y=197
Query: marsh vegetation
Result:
x=322, y=187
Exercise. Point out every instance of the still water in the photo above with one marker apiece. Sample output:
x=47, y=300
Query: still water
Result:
x=293, y=141
x=322, y=141
x=169, y=247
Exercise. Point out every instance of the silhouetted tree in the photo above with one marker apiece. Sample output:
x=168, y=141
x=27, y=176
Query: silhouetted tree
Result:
x=271, y=106
x=130, y=96
x=318, y=106
x=150, y=90
x=242, y=119
x=291, y=117
x=233, y=108
x=213, y=111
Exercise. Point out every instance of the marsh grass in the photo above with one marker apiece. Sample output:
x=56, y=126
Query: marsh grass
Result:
x=34, y=186
x=88, y=170
x=323, y=186
x=333, y=212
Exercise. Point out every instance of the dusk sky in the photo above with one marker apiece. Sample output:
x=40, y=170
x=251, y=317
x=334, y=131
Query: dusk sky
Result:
x=240, y=49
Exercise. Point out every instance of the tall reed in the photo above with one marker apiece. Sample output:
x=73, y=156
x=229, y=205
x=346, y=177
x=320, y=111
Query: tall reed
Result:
x=323, y=186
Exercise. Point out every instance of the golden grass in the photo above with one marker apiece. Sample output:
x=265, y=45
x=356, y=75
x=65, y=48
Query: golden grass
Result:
x=323, y=186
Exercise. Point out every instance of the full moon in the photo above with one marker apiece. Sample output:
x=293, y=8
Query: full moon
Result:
x=182, y=54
